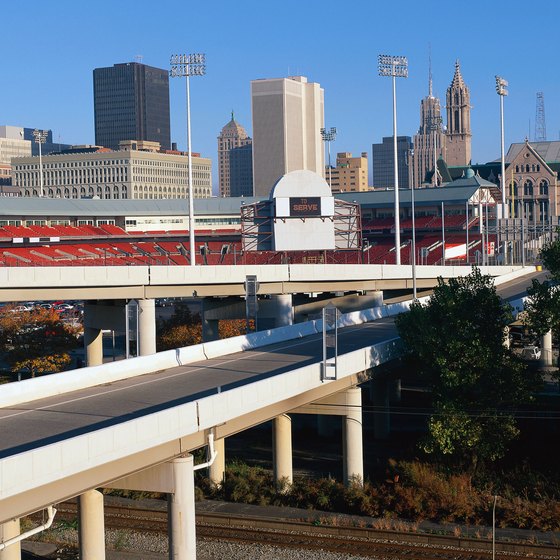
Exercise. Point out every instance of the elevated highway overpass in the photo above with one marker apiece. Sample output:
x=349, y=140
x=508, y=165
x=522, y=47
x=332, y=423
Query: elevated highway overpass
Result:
x=133, y=424
x=149, y=282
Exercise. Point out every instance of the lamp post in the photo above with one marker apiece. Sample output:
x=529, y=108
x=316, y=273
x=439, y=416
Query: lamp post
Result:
x=40, y=137
x=187, y=65
x=501, y=90
x=328, y=136
x=394, y=67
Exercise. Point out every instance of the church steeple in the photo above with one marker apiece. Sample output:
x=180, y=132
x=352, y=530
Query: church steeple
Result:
x=458, y=120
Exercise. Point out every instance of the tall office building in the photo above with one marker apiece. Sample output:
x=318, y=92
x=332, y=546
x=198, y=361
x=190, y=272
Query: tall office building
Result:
x=288, y=114
x=458, y=136
x=383, y=162
x=137, y=171
x=131, y=102
x=429, y=142
x=235, y=174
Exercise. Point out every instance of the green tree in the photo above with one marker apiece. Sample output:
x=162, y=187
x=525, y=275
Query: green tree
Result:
x=456, y=344
x=542, y=307
x=35, y=341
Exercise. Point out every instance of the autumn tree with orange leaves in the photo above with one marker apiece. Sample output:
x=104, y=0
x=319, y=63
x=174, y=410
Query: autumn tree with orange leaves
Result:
x=36, y=341
x=185, y=329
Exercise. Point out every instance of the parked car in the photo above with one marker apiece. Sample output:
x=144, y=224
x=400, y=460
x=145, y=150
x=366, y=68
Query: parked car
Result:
x=63, y=307
x=531, y=353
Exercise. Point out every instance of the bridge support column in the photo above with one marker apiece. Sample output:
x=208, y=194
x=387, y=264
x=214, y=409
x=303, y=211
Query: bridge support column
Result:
x=353, y=453
x=147, y=326
x=210, y=329
x=93, y=341
x=282, y=449
x=91, y=527
x=381, y=416
x=284, y=313
x=9, y=530
x=546, y=349
x=217, y=469
x=182, y=527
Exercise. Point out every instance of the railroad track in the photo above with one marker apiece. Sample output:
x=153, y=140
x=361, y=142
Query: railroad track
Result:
x=308, y=536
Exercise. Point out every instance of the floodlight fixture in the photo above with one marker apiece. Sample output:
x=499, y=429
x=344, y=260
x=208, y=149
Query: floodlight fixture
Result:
x=501, y=86
x=185, y=66
x=393, y=66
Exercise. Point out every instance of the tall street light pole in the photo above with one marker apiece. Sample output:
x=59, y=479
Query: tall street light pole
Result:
x=501, y=90
x=40, y=137
x=413, y=243
x=395, y=67
x=328, y=136
x=187, y=65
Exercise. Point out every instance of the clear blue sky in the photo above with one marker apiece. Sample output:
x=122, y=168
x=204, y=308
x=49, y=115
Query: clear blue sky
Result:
x=49, y=50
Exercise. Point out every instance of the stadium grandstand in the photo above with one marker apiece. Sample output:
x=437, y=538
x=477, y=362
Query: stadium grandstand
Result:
x=97, y=232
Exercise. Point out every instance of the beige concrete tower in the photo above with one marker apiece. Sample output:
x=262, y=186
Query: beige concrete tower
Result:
x=458, y=136
x=288, y=114
x=232, y=136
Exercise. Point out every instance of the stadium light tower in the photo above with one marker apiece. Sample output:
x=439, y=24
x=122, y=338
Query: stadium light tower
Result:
x=501, y=90
x=185, y=66
x=40, y=137
x=328, y=136
x=395, y=67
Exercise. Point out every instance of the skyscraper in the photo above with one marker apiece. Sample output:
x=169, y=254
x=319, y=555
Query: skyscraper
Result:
x=458, y=135
x=383, y=158
x=235, y=174
x=288, y=114
x=131, y=102
x=429, y=142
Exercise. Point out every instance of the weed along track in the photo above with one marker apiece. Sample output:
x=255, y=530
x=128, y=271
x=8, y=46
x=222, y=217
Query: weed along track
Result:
x=305, y=535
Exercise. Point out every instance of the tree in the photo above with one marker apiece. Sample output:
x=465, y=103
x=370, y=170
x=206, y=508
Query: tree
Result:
x=456, y=344
x=542, y=308
x=35, y=341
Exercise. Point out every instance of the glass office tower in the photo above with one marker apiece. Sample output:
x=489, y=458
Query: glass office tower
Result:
x=131, y=102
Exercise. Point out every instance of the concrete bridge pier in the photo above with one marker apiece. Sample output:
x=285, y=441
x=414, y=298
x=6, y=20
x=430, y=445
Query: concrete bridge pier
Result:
x=275, y=312
x=217, y=470
x=93, y=342
x=182, y=526
x=282, y=449
x=146, y=327
x=91, y=528
x=9, y=530
x=284, y=311
x=546, y=349
x=352, y=437
x=176, y=479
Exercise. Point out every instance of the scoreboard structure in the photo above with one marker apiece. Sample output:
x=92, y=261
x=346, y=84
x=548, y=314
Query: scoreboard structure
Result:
x=303, y=223
x=301, y=214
